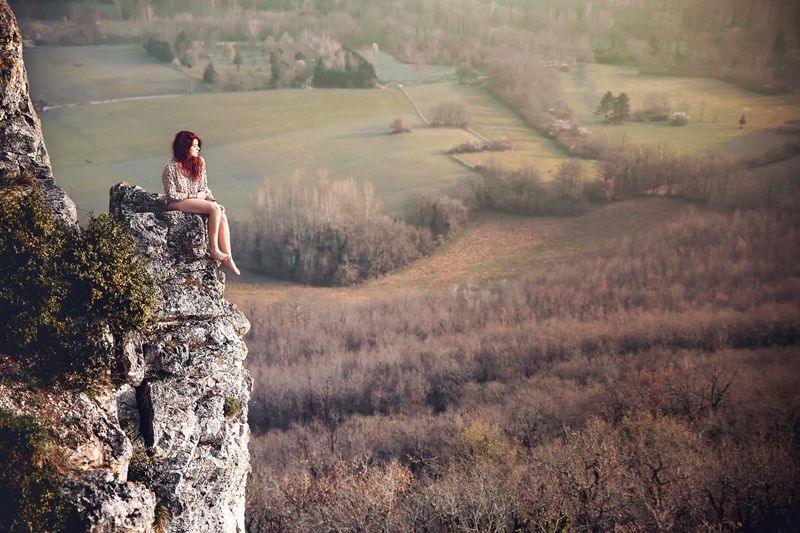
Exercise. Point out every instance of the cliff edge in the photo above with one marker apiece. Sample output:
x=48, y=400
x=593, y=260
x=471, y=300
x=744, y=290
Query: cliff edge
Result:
x=161, y=445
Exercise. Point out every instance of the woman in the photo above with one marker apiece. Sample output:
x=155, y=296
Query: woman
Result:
x=186, y=188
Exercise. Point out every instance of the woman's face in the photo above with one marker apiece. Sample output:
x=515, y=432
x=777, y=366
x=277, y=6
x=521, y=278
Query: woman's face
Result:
x=194, y=149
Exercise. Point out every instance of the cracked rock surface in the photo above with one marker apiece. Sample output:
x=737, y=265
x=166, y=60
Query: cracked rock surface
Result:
x=191, y=389
x=23, y=150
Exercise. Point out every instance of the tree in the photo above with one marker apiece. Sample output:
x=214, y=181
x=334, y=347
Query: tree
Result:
x=399, y=126
x=209, y=74
x=570, y=180
x=450, y=114
x=237, y=59
x=181, y=45
x=621, y=110
x=466, y=75
x=606, y=105
x=274, y=69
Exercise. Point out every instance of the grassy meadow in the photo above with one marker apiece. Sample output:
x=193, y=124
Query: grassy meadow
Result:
x=250, y=137
x=64, y=75
x=390, y=69
x=494, y=120
x=714, y=107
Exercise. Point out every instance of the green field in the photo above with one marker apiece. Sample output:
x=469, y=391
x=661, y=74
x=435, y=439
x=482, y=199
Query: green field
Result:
x=253, y=136
x=250, y=137
x=714, y=107
x=494, y=120
x=390, y=69
x=73, y=74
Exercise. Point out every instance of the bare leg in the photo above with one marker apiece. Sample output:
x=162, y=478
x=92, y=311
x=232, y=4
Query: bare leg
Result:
x=214, y=212
x=225, y=243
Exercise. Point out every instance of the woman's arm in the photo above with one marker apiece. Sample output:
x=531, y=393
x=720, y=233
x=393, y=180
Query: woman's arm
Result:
x=204, y=183
x=169, y=178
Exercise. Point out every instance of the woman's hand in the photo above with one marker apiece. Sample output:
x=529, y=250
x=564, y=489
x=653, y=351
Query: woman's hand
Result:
x=201, y=196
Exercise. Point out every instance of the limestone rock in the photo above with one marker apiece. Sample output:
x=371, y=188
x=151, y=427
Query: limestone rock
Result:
x=104, y=505
x=178, y=421
x=23, y=150
x=186, y=369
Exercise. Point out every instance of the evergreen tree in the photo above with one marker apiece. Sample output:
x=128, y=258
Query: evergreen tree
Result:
x=274, y=69
x=209, y=74
x=621, y=109
x=182, y=44
x=606, y=105
x=237, y=59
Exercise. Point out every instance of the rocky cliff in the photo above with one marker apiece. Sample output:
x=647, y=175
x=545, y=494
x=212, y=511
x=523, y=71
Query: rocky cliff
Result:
x=162, y=446
x=187, y=389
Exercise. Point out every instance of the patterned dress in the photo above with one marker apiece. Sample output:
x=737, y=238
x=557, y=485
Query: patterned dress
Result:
x=179, y=186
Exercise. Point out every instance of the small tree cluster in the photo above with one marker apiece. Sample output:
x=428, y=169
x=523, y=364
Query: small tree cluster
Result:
x=656, y=107
x=658, y=170
x=161, y=50
x=522, y=191
x=329, y=233
x=449, y=115
x=442, y=215
x=615, y=109
x=351, y=71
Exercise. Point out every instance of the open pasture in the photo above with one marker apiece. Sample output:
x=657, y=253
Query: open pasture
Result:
x=249, y=137
x=63, y=75
x=390, y=69
x=494, y=120
x=714, y=107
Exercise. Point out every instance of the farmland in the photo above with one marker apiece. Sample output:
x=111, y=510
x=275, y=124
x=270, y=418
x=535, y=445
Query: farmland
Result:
x=714, y=108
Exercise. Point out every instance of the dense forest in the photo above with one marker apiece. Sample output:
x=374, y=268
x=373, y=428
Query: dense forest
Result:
x=651, y=389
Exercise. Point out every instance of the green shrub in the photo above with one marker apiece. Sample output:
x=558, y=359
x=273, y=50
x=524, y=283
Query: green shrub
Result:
x=232, y=407
x=63, y=289
x=31, y=498
x=142, y=467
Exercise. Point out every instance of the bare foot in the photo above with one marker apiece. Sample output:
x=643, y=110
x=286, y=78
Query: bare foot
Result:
x=218, y=256
x=229, y=262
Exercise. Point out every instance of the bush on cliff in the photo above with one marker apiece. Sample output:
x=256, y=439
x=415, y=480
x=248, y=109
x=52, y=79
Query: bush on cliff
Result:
x=65, y=290
x=30, y=491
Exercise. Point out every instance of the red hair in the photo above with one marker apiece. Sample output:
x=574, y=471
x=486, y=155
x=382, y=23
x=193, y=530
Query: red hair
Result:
x=192, y=166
